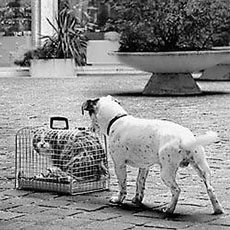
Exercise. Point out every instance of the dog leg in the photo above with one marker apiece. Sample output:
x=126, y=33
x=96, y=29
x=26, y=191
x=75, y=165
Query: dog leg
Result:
x=140, y=186
x=121, y=173
x=200, y=164
x=168, y=175
x=169, y=163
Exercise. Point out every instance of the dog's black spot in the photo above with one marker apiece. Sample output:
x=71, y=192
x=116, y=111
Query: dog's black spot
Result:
x=127, y=148
x=184, y=163
x=91, y=112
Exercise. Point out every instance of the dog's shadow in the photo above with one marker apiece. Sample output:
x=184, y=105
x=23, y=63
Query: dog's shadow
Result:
x=156, y=213
x=145, y=210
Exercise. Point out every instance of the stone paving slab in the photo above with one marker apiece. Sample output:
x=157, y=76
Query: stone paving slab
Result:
x=223, y=221
x=26, y=101
x=15, y=224
x=8, y=215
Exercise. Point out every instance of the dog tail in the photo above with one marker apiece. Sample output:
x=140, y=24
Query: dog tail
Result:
x=202, y=140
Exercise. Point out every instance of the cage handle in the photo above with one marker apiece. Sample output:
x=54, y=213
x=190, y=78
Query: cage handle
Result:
x=62, y=119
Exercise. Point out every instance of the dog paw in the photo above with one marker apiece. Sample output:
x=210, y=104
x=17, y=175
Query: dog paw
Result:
x=137, y=201
x=168, y=210
x=115, y=200
x=218, y=212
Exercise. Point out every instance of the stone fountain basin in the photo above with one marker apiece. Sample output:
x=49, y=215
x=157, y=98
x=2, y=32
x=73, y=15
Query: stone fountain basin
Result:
x=171, y=71
x=174, y=62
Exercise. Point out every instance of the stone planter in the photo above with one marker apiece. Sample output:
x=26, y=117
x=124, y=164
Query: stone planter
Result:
x=52, y=68
x=220, y=72
x=98, y=52
x=171, y=71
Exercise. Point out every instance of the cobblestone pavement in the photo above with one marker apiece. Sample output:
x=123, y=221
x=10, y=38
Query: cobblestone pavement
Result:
x=27, y=101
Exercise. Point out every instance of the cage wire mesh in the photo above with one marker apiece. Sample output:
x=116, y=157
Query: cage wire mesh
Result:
x=61, y=160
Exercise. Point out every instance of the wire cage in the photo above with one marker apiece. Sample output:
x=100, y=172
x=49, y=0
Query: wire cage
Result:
x=62, y=160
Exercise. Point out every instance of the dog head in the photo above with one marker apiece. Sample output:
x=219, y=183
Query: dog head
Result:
x=102, y=110
x=92, y=104
x=91, y=107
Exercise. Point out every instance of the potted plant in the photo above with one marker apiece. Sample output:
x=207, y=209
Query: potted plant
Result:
x=171, y=39
x=60, y=52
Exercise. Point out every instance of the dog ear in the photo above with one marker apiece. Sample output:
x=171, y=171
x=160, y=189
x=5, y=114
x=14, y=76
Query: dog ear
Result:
x=89, y=106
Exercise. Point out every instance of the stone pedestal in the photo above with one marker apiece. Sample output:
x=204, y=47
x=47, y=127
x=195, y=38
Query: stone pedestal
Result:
x=219, y=72
x=171, y=84
x=41, y=11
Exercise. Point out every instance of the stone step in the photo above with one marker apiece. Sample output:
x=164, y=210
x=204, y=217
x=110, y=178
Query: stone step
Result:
x=111, y=73
x=14, y=72
x=94, y=70
x=111, y=70
x=104, y=67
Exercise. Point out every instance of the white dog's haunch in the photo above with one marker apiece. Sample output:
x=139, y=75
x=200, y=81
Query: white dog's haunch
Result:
x=142, y=143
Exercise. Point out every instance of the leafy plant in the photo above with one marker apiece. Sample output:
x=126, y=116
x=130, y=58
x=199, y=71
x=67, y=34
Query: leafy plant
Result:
x=171, y=25
x=68, y=41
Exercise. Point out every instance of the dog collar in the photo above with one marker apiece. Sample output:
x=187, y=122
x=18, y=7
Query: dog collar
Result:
x=113, y=120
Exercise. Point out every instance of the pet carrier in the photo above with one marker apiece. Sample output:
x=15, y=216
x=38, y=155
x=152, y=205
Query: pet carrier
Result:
x=62, y=160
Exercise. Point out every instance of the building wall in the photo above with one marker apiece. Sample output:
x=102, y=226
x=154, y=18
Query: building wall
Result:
x=12, y=48
x=24, y=38
x=16, y=39
x=15, y=30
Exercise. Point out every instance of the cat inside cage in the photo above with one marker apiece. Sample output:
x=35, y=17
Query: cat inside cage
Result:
x=54, y=157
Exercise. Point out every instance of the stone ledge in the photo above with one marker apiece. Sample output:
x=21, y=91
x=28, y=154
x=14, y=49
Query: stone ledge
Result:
x=14, y=72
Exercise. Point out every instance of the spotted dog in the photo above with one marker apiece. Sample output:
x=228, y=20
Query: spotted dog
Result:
x=142, y=143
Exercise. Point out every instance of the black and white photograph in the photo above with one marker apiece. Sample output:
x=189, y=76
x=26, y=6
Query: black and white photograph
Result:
x=114, y=114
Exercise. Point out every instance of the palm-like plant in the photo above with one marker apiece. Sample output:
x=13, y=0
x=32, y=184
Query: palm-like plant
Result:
x=68, y=40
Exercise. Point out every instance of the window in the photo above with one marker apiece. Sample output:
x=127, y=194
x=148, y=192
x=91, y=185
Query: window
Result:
x=15, y=17
x=92, y=13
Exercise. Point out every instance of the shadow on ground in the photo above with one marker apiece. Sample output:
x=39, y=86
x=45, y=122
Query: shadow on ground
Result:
x=154, y=211
x=140, y=94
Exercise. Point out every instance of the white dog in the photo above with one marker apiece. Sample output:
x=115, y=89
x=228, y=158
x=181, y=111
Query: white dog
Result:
x=142, y=143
